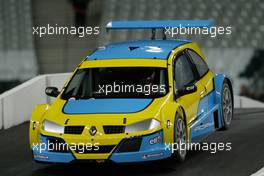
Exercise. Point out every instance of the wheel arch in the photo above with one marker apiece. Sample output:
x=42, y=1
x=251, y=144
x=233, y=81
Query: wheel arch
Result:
x=231, y=88
x=180, y=110
x=219, y=80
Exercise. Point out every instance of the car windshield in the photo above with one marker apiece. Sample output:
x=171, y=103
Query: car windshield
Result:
x=121, y=82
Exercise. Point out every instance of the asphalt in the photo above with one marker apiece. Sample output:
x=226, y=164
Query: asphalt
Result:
x=246, y=156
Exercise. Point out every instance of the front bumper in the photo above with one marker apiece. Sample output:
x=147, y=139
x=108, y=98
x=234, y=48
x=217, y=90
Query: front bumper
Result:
x=134, y=149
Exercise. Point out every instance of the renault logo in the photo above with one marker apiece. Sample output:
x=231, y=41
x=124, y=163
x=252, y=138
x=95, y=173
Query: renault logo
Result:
x=92, y=130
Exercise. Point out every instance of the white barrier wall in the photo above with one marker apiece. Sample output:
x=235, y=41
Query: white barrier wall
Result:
x=16, y=105
x=1, y=114
x=57, y=80
x=19, y=100
x=244, y=102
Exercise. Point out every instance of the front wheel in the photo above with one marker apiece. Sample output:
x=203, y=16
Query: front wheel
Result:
x=227, y=105
x=180, y=138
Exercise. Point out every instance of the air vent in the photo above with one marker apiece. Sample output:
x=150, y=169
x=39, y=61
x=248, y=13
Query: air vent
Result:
x=133, y=48
x=73, y=129
x=112, y=129
x=130, y=145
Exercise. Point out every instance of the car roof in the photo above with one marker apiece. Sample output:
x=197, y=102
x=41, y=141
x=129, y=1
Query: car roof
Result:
x=144, y=49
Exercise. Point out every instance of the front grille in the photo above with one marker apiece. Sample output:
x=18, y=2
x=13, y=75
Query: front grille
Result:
x=130, y=145
x=73, y=129
x=114, y=129
x=94, y=149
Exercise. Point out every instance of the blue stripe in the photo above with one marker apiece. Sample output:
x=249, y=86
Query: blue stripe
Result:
x=204, y=124
x=114, y=105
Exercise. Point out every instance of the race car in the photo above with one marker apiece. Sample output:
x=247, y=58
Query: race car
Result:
x=131, y=101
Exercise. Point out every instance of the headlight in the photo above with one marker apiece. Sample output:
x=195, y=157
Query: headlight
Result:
x=142, y=126
x=52, y=127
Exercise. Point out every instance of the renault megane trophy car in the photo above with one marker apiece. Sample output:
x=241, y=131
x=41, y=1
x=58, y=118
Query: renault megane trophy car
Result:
x=131, y=101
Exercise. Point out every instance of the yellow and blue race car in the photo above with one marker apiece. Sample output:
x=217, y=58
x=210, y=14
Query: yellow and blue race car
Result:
x=131, y=101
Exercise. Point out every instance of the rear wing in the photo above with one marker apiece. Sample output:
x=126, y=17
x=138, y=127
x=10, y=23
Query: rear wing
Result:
x=158, y=24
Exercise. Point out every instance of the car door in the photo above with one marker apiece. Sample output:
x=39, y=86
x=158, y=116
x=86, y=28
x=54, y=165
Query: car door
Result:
x=184, y=74
x=204, y=74
x=204, y=123
x=205, y=77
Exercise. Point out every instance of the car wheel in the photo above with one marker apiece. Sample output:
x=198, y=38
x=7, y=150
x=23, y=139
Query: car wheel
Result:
x=180, y=138
x=227, y=105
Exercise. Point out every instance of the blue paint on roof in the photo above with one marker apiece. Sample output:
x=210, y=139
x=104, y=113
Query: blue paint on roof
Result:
x=144, y=49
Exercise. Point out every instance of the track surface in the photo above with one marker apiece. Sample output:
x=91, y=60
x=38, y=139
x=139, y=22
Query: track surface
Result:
x=246, y=157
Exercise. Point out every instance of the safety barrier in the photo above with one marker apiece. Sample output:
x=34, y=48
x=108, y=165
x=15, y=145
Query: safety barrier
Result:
x=16, y=104
x=245, y=102
x=1, y=115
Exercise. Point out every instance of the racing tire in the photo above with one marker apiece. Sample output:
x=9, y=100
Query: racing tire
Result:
x=180, y=139
x=227, y=105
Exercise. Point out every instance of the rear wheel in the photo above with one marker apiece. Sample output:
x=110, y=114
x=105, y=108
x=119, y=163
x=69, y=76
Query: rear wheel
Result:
x=180, y=138
x=227, y=105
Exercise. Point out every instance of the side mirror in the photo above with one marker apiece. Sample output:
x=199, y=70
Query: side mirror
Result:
x=52, y=91
x=187, y=89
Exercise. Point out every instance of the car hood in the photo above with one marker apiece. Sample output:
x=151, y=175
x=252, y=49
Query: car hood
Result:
x=97, y=106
